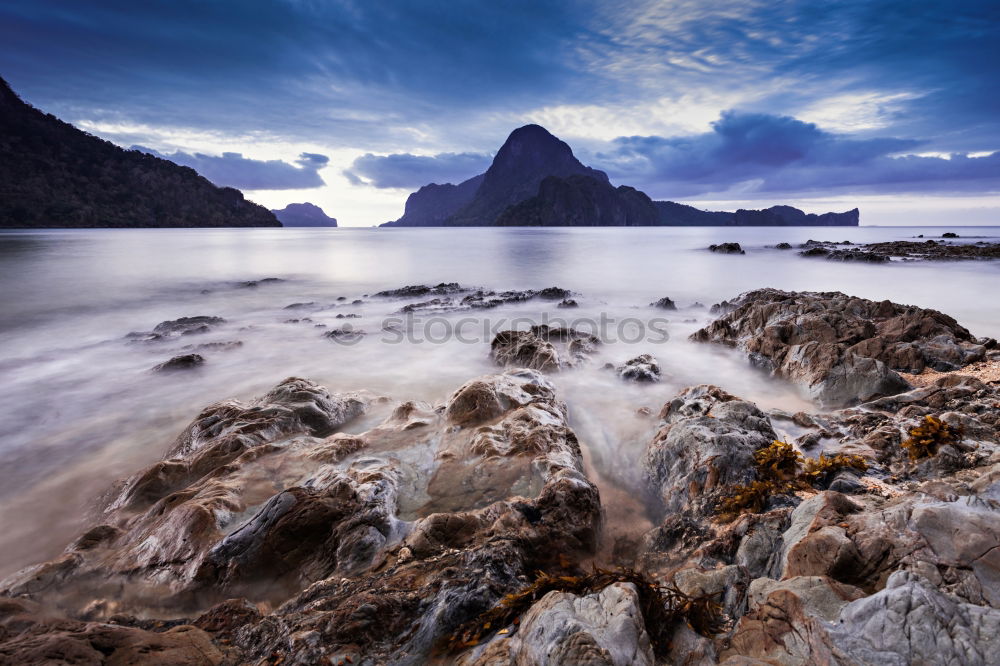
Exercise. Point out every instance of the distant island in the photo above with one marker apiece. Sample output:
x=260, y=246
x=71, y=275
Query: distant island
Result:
x=55, y=175
x=535, y=180
x=304, y=215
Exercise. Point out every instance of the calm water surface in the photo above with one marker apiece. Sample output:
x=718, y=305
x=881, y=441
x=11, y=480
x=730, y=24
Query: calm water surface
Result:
x=81, y=408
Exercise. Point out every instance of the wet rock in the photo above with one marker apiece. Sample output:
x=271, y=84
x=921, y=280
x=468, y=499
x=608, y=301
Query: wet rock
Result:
x=841, y=349
x=727, y=248
x=783, y=246
x=542, y=348
x=30, y=636
x=664, y=304
x=301, y=306
x=187, y=325
x=562, y=628
x=412, y=290
x=819, y=596
x=949, y=234
x=706, y=442
x=344, y=335
x=642, y=368
x=554, y=294
x=911, y=621
x=227, y=345
x=177, y=327
x=253, y=284
x=183, y=362
x=568, y=303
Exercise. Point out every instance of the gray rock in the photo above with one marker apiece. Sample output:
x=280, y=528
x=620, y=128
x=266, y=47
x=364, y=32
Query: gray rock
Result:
x=912, y=622
x=601, y=629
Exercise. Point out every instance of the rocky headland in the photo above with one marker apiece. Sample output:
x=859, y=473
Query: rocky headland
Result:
x=536, y=180
x=55, y=175
x=863, y=531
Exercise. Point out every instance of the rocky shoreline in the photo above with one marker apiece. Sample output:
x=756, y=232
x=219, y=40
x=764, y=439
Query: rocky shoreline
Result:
x=866, y=531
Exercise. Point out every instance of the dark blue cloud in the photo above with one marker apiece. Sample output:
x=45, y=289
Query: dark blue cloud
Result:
x=234, y=170
x=754, y=152
x=413, y=171
x=294, y=68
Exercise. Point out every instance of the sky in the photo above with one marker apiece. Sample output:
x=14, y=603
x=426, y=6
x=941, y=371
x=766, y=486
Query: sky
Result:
x=887, y=105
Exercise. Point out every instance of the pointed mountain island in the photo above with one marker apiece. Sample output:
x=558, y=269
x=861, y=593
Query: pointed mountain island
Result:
x=304, y=215
x=535, y=180
x=54, y=175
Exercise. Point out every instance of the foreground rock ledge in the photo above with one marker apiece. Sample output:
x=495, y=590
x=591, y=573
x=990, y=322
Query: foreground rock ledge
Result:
x=268, y=535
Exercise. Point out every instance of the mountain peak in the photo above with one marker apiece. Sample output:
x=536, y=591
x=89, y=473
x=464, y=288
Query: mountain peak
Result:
x=528, y=156
x=534, y=150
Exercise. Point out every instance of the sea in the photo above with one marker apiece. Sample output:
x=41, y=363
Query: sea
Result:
x=82, y=407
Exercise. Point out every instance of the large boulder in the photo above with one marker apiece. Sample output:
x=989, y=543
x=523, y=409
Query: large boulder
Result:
x=840, y=348
x=605, y=628
x=705, y=442
x=542, y=348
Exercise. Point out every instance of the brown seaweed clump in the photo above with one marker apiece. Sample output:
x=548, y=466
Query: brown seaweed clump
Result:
x=782, y=470
x=929, y=436
x=662, y=606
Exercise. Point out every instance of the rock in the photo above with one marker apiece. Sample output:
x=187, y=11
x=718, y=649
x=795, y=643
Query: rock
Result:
x=228, y=345
x=554, y=294
x=727, y=248
x=300, y=306
x=505, y=497
x=187, y=325
x=183, y=362
x=783, y=246
x=603, y=628
x=344, y=334
x=912, y=622
x=841, y=349
x=819, y=596
x=177, y=327
x=642, y=368
x=568, y=303
x=542, y=348
x=443, y=288
x=949, y=234
x=664, y=304
x=706, y=442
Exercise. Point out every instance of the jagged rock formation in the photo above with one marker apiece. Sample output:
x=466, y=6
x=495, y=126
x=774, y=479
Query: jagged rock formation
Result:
x=274, y=532
x=304, y=215
x=841, y=349
x=55, y=175
x=381, y=543
x=535, y=180
x=542, y=348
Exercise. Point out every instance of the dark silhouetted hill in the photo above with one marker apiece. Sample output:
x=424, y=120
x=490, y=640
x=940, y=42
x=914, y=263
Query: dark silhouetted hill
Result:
x=535, y=180
x=304, y=215
x=55, y=175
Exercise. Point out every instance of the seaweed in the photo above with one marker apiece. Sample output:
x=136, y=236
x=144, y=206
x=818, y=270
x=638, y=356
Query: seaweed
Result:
x=781, y=470
x=929, y=436
x=662, y=606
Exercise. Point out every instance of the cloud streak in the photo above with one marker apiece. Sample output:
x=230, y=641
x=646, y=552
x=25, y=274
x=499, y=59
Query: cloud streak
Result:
x=412, y=171
x=234, y=170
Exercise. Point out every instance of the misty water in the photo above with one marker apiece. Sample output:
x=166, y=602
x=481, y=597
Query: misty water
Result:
x=82, y=409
